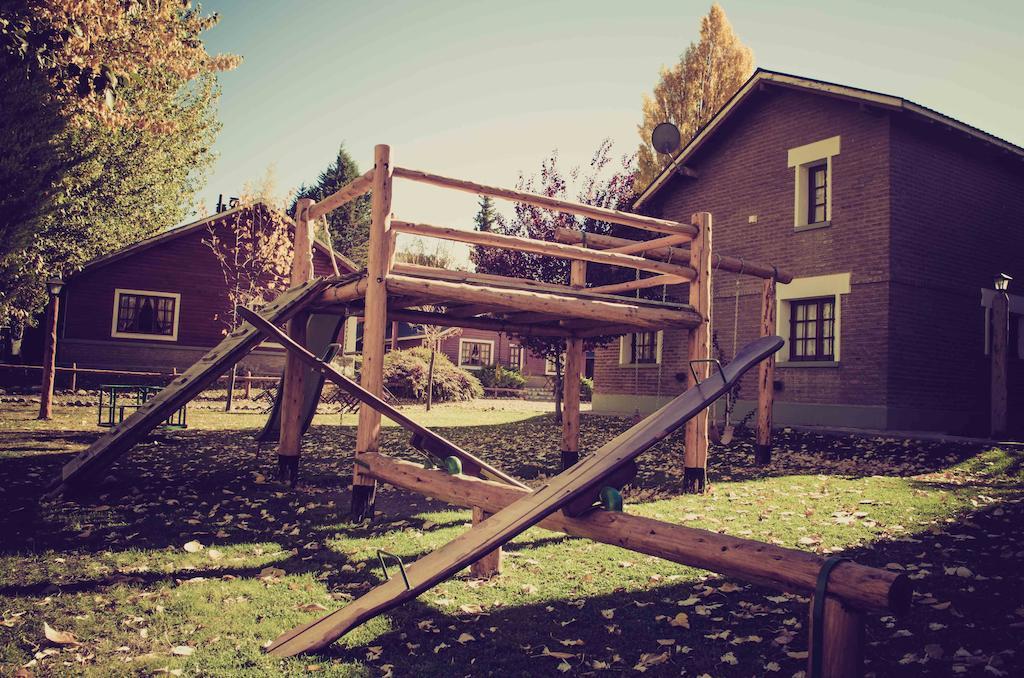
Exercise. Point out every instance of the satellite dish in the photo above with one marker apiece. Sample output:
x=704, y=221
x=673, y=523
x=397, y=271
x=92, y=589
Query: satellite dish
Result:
x=665, y=138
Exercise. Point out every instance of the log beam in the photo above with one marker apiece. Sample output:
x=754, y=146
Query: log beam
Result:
x=719, y=262
x=598, y=213
x=621, y=312
x=645, y=245
x=698, y=346
x=863, y=588
x=641, y=284
x=372, y=372
x=495, y=324
x=765, y=378
x=357, y=187
x=552, y=249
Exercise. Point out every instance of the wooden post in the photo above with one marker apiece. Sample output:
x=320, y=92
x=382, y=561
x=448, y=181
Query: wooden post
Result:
x=571, y=381
x=49, y=358
x=248, y=384
x=699, y=348
x=765, y=378
x=1000, y=338
x=842, y=644
x=394, y=335
x=376, y=302
x=290, y=441
x=74, y=376
x=490, y=565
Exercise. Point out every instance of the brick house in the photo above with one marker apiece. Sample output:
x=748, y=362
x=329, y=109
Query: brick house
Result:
x=160, y=303
x=895, y=220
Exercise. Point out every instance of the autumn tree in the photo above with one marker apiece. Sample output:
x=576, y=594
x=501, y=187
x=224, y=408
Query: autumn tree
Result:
x=253, y=246
x=417, y=253
x=108, y=118
x=690, y=92
x=349, y=225
x=606, y=182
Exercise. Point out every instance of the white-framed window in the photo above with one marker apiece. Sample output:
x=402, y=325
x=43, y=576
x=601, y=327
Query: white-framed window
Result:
x=640, y=348
x=809, y=319
x=812, y=191
x=476, y=353
x=549, y=366
x=144, y=314
x=516, y=357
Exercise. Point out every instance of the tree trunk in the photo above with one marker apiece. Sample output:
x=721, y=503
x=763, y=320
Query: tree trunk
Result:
x=430, y=377
x=229, y=405
x=558, y=389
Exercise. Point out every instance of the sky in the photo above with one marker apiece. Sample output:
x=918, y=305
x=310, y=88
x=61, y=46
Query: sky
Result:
x=485, y=90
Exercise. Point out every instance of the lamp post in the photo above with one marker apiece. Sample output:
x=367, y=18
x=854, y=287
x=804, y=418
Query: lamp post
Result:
x=53, y=286
x=1000, y=340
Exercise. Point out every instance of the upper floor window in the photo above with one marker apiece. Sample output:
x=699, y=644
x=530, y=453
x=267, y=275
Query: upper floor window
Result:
x=817, y=193
x=812, y=329
x=141, y=314
x=812, y=200
x=475, y=354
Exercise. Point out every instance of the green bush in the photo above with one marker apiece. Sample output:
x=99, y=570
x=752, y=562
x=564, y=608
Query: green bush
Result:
x=496, y=376
x=405, y=375
x=586, y=388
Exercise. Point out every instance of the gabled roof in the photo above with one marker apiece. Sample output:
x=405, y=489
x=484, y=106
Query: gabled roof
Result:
x=763, y=77
x=345, y=264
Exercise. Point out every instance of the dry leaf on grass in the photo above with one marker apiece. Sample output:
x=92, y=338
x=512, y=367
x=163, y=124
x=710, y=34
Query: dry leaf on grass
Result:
x=59, y=637
x=193, y=547
x=682, y=620
x=183, y=650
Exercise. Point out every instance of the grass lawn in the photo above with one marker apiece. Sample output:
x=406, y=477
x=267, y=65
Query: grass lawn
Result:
x=190, y=557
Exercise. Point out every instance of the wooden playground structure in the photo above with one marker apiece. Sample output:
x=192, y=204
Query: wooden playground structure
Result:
x=502, y=506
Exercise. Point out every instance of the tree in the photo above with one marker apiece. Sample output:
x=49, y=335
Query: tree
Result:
x=254, y=249
x=107, y=126
x=349, y=225
x=486, y=216
x=605, y=184
x=416, y=253
x=689, y=93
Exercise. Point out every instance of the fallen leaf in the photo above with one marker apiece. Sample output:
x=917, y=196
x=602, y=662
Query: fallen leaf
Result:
x=183, y=650
x=193, y=547
x=682, y=620
x=59, y=637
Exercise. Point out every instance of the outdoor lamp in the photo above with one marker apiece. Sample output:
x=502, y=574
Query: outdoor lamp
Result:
x=1002, y=282
x=55, y=285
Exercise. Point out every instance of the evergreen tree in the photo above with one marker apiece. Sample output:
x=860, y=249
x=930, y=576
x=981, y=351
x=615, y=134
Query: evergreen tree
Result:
x=689, y=93
x=349, y=224
x=487, y=216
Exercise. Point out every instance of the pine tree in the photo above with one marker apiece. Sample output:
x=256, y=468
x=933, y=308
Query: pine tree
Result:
x=689, y=93
x=487, y=216
x=349, y=224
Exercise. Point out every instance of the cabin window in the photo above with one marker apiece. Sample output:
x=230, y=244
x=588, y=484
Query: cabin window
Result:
x=141, y=314
x=812, y=197
x=812, y=329
x=515, y=357
x=640, y=348
x=474, y=354
x=549, y=366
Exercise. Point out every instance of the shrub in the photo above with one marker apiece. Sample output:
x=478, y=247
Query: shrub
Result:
x=496, y=376
x=586, y=388
x=405, y=375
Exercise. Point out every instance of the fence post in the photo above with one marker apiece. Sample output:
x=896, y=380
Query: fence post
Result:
x=74, y=376
x=248, y=384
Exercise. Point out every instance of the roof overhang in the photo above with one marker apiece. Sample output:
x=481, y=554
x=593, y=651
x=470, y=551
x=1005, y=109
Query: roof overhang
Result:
x=762, y=78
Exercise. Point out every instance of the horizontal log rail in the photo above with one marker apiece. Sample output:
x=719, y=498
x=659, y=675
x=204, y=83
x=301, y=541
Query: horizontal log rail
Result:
x=495, y=324
x=359, y=186
x=578, y=209
x=544, y=247
x=643, y=246
x=641, y=284
x=516, y=283
x=718, y=262
x=621, y=311
x=345, y=292
x=864, y=588
x=131, y=373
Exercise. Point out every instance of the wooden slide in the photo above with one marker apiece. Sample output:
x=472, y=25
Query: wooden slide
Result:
x=583, y=478
x=423, y=438
x=102, y=453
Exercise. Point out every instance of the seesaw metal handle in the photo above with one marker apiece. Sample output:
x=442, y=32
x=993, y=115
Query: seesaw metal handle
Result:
x=401, y=566
x=716, y=362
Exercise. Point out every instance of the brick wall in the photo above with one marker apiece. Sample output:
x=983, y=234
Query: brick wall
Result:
x=742, y=172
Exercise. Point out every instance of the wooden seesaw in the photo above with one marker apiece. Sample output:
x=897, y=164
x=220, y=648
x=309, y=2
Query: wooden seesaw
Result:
x=567, y=503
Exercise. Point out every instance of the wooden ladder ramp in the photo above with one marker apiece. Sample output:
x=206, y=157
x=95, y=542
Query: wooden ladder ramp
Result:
x=107, y=449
